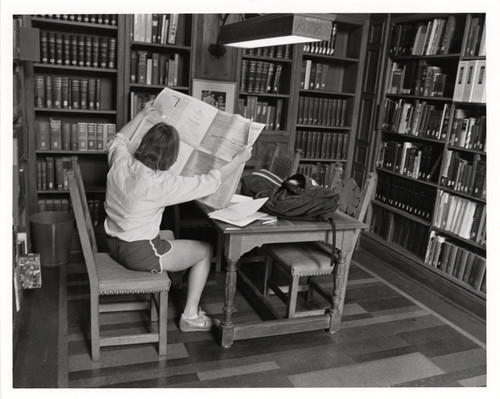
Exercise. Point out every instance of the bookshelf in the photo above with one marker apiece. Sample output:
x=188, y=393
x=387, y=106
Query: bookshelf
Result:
x=318, y=119
x=266, y=93
x=328, y=85
x=20, y=223
x=430, y=199
x=75, y=107
x=158, y=53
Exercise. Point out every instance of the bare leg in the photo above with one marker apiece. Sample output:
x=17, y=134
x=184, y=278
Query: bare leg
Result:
x=195, y=255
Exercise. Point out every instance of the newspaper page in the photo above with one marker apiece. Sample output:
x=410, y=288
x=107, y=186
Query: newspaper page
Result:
x=210, y=138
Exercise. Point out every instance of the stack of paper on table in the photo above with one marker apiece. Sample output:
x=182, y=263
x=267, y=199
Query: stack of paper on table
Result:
x=241, y=211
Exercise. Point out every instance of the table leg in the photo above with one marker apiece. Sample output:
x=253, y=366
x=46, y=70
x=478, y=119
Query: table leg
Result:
x=338, y=282
x=227, y=327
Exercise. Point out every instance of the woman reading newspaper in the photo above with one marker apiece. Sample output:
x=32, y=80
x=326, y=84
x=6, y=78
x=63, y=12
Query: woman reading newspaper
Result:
x=139, y=187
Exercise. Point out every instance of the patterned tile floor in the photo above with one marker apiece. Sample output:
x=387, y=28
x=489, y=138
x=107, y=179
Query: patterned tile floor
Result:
x=387, y=339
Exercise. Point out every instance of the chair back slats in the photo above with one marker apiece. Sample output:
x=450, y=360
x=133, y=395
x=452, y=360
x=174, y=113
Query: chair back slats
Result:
x=282, y=165
x=336, y=176
x=84, y=203
x=82, y=227
x=366, y=196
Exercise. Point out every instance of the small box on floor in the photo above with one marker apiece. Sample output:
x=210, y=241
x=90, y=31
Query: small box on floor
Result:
x=30, y=273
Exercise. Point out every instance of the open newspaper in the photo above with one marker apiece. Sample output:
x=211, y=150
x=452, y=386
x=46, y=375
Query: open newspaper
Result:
x=210, y=138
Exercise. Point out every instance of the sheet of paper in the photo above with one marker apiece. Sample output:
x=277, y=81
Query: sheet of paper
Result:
x=239, y=198
x=240, y=210
x=245, y=221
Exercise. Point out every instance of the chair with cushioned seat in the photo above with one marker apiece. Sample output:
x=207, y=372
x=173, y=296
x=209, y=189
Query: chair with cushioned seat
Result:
x=310, y=259
x=108, y=278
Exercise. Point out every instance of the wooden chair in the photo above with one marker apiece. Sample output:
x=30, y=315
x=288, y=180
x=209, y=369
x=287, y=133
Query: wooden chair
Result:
x=281, y=164
x=312, y=259
x=109, y=278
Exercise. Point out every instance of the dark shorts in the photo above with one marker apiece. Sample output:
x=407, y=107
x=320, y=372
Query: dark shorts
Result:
x=143, y=255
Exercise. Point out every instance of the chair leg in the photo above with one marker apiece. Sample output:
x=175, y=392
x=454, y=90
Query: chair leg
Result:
x=154, y=310
x=310, y=288
x=267, y=273
x=292, y=297
x=94, y=327
x=338, y=283
x=162, y=323
x=218, y=255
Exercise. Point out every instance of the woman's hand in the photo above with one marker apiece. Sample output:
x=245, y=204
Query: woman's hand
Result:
x=245, y=154
x=150, y=107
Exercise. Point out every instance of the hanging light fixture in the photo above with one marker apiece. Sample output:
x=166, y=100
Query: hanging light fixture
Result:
x=276, y=29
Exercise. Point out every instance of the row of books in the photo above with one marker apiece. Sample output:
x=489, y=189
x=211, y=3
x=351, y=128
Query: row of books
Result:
x=437, y=36
x=406, y=195
x=461, y=216
x=475, y=43
x=260, y=76
x=456, y=261
x=408, y=159
x=322, y=173
x=402, y=231
x=155, y=69
x=67, y=93
x=418, y=78
x=314, y=75
x=101, y=19
x=56, y=134
x=77, y=50
x=64, y=205
x=51, y=173
x=325, y=47
x=137, y=102
x=470, y=84
x=280, y=51
x=155, y=28
x=322, y=144
x=322, y=111
x=463, y=175
x=262, y=111
x=417, y=118
x=468, y=131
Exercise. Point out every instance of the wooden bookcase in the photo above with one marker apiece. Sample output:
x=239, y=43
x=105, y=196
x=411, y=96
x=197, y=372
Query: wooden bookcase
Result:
x=328, y=83
x=75, y=106
x=417, y=157
x=157, y=53
x=308, y=120
x=266, y=92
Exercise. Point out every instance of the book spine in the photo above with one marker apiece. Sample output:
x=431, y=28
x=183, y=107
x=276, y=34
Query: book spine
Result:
x=49, y=181
x=55, y=134
x=99, y=134
x=44, y=47
x=103, y=52
x=74, y=136
x=82, y=136
x=66, y=135
x=88, y=51
x=93, y=48
x=39, y=91
x=91, y=136
x=48, y=91
x=42, y=135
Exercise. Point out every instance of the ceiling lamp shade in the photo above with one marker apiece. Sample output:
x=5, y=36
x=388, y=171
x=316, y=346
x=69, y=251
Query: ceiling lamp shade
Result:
x=275, y=29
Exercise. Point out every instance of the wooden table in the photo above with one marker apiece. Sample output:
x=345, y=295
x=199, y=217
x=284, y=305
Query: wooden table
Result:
x=237, y=241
